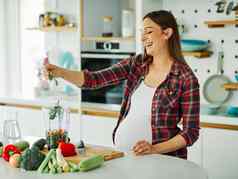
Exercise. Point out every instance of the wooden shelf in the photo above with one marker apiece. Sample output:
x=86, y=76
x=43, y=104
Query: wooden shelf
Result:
x=108, y=38
x=231, y=86
x=199, y=54
x=221, y=23
x=54, y=29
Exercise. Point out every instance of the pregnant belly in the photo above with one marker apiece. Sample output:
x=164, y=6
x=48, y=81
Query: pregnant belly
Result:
x=130, y=131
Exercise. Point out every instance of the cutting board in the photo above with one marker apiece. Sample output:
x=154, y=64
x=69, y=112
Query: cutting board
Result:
x=108, y=154
x=91, y=150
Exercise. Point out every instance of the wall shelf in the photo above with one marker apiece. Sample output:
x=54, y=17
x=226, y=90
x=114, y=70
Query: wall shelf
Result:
x=231, y=86
x=54, y=29
x=108, y=38
x=199, y=54
x=221, y=23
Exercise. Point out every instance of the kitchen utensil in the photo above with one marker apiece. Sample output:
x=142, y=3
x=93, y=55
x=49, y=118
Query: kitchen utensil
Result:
x=213, y=90
x=221, y=6
x=193, y=45
x=229, y=8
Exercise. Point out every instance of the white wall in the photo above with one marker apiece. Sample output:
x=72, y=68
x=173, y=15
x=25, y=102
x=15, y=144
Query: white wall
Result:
x=9, y=51
x=12, y=57
x=94, y=11
x=3, y=57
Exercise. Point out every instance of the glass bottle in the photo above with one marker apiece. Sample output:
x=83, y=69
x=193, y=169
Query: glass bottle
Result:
x=107, y=26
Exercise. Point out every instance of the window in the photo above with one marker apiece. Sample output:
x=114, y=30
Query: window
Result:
x=2, y=50
x=32, y=44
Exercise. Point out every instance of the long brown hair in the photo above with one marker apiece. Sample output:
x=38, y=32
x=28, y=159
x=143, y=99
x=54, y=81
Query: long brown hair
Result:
x=166, y=19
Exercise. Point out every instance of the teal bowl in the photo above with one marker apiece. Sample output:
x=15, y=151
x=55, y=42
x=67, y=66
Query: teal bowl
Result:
x=193, y=45
x=236, y=77
x=232, y=111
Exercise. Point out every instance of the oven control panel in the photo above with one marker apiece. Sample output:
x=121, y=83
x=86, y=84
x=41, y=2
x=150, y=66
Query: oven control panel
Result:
x=107, y=45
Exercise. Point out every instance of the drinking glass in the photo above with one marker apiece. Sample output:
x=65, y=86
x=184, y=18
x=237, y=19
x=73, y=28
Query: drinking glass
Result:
x=11, y=128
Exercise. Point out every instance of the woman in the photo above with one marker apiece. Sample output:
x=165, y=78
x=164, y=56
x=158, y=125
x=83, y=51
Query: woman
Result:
x=161, y=91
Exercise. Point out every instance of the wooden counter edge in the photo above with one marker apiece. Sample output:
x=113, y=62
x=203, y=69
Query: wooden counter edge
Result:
x=115, y=114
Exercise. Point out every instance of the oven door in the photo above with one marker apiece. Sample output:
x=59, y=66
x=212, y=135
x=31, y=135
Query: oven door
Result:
x=105, y=95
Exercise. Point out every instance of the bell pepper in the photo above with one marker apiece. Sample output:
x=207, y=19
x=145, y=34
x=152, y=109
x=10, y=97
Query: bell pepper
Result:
x=67, y=149
x=10, y=150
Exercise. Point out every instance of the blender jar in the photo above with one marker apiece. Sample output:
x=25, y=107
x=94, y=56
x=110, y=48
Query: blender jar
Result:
x=57, y=121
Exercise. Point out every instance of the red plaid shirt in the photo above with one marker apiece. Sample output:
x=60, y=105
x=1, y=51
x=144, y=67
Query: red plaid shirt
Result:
x=176, y=99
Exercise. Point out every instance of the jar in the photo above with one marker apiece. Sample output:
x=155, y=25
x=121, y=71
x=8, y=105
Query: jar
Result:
x=127, y=23
x=107, y=26
x=57, y=121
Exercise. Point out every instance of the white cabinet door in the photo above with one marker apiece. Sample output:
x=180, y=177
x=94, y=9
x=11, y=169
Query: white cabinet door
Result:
x=220, y=153
x=75, y=130
x=195, y=151
x=30, y=121
x=98, y=130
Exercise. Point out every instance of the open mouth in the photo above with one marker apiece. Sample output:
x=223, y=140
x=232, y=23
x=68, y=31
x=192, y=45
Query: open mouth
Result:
x=148, y=44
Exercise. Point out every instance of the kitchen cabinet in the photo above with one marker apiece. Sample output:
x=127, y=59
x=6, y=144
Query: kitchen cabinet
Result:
x=220, y=156
x=98, y=130
x=195, y=151
x=30, y=121
x=75, y=131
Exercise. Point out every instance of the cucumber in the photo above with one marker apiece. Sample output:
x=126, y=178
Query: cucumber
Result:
x=22, y=145
x=91, y=163
x=73, y=167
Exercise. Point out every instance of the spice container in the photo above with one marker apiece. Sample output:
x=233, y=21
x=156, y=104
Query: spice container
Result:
x=107, y=26
x=127, y=23
x=57, y=121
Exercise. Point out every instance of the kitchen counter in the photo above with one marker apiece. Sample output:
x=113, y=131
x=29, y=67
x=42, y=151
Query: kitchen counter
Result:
x=111, y=111
x=128, y=167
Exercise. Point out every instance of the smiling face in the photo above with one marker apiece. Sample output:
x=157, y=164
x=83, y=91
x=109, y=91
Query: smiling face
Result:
x=154, y=38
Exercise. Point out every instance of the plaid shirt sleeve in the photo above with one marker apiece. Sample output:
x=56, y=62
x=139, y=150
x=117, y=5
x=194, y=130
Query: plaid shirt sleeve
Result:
x=190, y=107
x=108, y=76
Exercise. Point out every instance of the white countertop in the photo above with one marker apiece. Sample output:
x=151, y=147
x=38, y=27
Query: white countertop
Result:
x=70, y=101
x=73, y=102
x=128, y=167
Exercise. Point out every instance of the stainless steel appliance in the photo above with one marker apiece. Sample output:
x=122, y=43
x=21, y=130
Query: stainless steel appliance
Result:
x=97, y=55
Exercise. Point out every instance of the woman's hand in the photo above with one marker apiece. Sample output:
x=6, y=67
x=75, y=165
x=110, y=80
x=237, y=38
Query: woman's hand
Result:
x=52, y=70
x=143, y=147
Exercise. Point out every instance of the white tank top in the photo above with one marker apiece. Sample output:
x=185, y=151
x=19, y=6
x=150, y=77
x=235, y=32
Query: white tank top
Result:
x=137, y=124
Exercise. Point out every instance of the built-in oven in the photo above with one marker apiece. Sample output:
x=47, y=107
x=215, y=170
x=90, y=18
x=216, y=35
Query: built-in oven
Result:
x=98, y=55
